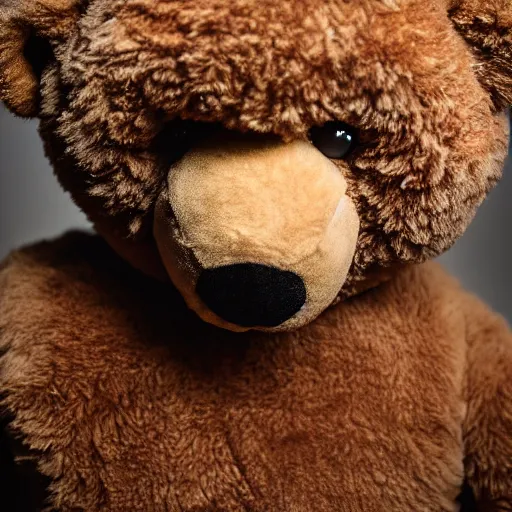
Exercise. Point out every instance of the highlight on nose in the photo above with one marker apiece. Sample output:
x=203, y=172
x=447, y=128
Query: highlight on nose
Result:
x=252, y=295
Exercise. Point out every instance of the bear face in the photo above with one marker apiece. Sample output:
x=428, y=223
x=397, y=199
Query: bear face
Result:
x=270, y=157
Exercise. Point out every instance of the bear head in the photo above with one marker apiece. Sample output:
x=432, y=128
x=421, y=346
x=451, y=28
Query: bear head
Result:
x=270, y=157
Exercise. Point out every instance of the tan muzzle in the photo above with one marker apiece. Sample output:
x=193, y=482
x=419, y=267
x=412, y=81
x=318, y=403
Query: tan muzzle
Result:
x=256, y=233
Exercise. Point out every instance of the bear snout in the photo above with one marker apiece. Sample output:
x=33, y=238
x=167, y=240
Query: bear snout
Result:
x=256, y=233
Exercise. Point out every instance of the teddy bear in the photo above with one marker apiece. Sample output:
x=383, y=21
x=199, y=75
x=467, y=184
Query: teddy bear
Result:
x=256, y=324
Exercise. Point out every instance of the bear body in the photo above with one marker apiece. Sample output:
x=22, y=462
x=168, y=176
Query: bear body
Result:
x=365, y=409
x=259, y=329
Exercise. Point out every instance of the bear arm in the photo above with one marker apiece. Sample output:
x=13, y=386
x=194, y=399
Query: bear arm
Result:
x=488, y=423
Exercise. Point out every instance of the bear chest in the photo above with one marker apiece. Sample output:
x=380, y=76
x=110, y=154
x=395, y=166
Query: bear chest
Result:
x=135, y=405
x=291, y=424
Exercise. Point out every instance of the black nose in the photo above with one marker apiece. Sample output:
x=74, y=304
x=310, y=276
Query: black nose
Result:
x=252, y=295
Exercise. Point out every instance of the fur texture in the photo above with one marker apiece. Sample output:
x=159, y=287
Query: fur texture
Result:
x=486, y=25
x=432, y=141
x=122, y=415
x=19, y=21
x=122, y=398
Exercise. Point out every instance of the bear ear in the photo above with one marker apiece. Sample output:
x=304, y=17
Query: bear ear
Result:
x=486, y=25
x=28, y=31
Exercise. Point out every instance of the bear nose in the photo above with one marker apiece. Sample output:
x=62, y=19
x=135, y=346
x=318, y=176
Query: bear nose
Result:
x=252, y=295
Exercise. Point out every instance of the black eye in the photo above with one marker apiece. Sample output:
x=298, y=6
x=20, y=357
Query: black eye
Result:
x=334, y=139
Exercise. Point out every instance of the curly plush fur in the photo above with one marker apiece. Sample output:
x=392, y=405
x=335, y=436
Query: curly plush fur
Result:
x=427, y=127
x=122, y=415
x=122, y=398
x=486, y=26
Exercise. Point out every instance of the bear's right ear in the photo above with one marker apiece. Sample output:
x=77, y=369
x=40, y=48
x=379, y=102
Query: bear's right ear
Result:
x=486, y=25
x=28, y=30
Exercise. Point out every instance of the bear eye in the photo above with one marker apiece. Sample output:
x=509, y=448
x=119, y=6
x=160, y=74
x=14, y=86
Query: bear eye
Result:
x=334, y=139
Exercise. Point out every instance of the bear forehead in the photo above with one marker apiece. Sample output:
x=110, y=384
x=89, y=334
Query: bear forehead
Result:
x=275, y=66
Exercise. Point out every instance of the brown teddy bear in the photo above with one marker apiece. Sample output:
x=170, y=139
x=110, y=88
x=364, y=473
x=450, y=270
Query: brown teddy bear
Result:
x=280, y=169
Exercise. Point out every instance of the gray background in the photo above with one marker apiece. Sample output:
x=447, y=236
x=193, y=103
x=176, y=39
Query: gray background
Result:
x=32, y=207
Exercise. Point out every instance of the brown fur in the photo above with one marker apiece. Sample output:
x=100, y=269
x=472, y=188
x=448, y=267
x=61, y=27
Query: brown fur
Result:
x=19, y=20
x=388, y=401
x=123, y=415
x=427, y=125
x=486, y=25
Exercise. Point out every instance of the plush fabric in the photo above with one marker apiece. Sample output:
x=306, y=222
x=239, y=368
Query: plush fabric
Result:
x=128, y=71
x=193, y=134
x=250, y=199
x=128, y=402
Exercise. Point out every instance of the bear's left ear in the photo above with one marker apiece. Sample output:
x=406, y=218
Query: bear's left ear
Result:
x=486, y=25
x=28, y=31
